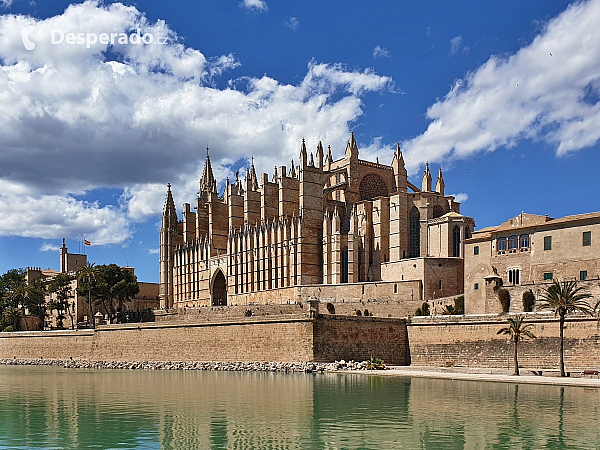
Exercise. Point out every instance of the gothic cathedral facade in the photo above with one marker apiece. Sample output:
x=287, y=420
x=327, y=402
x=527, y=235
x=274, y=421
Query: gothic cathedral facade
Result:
x=332, y=224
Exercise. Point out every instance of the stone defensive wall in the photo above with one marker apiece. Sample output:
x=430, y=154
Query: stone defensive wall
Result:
x=472, y=341
x=292, y=338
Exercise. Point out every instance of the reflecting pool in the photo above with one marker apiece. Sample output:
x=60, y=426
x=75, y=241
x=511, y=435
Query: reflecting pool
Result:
x=50, y=407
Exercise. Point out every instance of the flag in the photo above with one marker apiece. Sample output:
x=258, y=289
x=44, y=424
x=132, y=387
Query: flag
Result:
x=86, y=242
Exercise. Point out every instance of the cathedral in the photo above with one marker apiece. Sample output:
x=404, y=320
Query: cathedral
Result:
x=341, y=230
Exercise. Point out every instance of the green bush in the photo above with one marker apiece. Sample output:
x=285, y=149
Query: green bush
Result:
x=459, y=305
x=9, y=328
x=423, y=310
x=375, y=364
x=528, y=301
x=504, y=297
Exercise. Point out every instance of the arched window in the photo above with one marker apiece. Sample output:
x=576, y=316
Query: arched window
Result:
x=502, y=244
x=345, y=265
x=456, y=242
x=514, y=276
x=513, y=243
x=524, y=242
x=414, y=235
x=467, y=233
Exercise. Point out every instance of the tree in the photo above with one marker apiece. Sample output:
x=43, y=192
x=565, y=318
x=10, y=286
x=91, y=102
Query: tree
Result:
x=563, y=298
x=516, y=329
x=14, y=292
x=114, y=287
x=35, y=300
x=86, y=282
x=61, y=285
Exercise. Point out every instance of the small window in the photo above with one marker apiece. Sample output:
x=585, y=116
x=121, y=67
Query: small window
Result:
x=476, y=250
x=547, y=242
x=440, y=285
x=395, y=288
x=513, y=242
x=476, y=287
x=502, y=244
x=582, y=275
x=548, y=276
x=587, y=238
x=524, y=241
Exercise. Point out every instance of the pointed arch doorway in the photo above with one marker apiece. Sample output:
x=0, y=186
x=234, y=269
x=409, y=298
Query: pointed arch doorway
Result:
x=218, y=291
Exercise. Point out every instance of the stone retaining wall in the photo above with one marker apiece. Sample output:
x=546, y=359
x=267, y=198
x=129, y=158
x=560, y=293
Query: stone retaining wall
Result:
x=281, y=338
x=472, y=341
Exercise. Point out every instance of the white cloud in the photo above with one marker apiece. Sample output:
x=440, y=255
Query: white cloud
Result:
x=153, y=251
x=26, y=213
x=461, y=197
x=548, y=91
x=380, y=52
x=293, y=23
x=48, y=247
x=72, y=120
x=255, y=5
x=6, y=3
x=455, y=44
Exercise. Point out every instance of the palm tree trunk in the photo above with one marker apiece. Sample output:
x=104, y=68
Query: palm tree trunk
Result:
x=516, y=358
x=562, y=344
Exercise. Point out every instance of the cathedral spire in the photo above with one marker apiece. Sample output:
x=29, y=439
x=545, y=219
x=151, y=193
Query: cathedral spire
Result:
x=426, y=182
x=251, y=180
x=439, y=184
x=293, y=170
x=352, y=148
x=208, y=182
x=303, y=156
x=320, y=155
x=169, y=212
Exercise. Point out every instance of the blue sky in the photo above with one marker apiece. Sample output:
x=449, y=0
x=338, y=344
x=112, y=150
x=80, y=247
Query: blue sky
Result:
x=503, y=95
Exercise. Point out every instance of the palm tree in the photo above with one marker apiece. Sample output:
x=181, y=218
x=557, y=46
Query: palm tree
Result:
x=564, y=298
x=517, y=329
x=87, y=275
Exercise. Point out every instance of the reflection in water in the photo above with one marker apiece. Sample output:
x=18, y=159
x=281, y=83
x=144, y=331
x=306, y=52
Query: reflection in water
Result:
x=45, y=407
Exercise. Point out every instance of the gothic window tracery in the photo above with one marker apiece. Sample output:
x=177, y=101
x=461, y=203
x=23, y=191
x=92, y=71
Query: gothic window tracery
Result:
x=372, y=186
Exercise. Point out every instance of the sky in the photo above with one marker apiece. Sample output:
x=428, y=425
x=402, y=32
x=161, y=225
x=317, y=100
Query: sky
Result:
x=104, y=103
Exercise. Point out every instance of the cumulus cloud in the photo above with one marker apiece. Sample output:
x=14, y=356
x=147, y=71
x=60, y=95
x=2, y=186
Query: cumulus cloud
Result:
x=293, y=23
x=380, y=52
x=153, y=251
x=49, y=247
x=255, y=5
x=461, y=197
x=26, y=213
x=134, y=117
x=548, y=90
x=6, y=3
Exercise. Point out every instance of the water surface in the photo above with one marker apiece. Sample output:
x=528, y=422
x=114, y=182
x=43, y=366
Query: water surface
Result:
x=49, y=407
